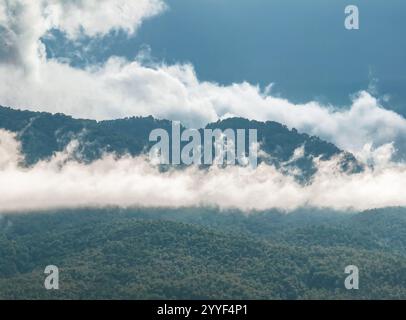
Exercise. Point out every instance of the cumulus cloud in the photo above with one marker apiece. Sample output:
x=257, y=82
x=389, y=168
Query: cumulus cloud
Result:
x=121, y=88
x=24, y=22
x=99, y=17
x=134, y=182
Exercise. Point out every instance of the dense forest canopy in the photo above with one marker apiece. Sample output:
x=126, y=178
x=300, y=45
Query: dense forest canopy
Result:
x=203, y=254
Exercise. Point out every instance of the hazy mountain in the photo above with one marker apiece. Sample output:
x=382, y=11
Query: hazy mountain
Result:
x=43, y=134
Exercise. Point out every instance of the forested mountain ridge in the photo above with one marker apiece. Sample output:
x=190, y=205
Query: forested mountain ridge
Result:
x=42, y=134
x=199, y=252
x=140, y=254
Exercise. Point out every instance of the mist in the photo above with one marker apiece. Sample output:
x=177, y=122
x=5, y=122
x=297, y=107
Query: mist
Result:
x=134, y=182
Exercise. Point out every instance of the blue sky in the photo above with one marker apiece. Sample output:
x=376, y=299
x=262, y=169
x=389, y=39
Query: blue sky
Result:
x=300, y=46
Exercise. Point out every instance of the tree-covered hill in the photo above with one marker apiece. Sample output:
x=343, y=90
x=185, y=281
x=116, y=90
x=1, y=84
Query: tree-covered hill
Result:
x=42, y=134
x=193, y=253
x=136, y=254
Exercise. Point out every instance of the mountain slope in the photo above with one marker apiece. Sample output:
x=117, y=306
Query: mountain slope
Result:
x=119, y=256
x=43, y=134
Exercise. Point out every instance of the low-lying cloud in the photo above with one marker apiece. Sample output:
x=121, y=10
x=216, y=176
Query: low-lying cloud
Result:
x=134, y=182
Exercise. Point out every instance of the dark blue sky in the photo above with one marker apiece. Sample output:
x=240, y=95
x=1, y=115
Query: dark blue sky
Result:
x=300, y=45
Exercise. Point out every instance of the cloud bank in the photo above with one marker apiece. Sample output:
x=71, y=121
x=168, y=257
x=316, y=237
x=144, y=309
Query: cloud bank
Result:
x=121, y=88
x=134, y=182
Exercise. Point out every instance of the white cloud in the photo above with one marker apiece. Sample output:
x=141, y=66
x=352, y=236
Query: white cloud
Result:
x=24, y=22
x=123, y=88
x=99, y=17
x=133, y=182
x=378, y=157
x=120, y=88
x=9, y=150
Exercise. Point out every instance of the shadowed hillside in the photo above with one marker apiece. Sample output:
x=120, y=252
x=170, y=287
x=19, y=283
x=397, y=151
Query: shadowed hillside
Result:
x=43, y=134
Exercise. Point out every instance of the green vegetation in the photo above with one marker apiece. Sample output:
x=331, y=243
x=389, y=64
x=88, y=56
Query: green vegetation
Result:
x=193, y=253
x=203, y=254
x=43, y=134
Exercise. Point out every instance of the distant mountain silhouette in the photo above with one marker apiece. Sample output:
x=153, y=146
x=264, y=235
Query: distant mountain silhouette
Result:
x=42, y=134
